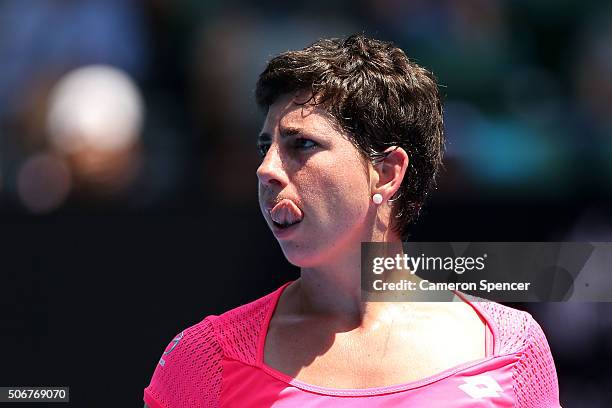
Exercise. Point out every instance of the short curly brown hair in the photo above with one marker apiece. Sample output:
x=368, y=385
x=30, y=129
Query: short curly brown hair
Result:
x=379, y=97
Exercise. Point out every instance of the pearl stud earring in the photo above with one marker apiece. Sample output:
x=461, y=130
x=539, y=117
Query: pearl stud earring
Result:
x=377, y=198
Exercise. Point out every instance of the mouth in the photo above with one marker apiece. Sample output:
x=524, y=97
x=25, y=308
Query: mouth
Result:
x=285, y=214
x=284, y=225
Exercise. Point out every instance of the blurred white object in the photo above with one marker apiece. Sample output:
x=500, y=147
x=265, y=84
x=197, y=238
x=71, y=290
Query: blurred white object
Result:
x=95, y=107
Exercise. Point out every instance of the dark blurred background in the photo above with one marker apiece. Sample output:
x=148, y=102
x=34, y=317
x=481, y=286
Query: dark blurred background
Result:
x=128, y=200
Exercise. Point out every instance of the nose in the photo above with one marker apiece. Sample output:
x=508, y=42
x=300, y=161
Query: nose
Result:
x=271, y=171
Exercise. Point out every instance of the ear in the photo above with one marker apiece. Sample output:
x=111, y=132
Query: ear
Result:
x=391, y=171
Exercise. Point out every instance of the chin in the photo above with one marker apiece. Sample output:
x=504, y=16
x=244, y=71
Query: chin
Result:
x=300, y=256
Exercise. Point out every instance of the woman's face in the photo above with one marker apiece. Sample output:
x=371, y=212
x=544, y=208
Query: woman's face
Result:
x=314, y=188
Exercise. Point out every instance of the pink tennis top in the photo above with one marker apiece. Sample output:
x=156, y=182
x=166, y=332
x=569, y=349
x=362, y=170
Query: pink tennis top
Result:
x=219, y=363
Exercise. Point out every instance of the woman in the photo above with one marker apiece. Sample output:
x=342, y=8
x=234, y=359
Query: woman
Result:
x=351, y=145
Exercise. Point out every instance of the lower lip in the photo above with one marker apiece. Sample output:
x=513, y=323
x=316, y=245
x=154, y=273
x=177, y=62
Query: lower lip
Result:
x=284, y=232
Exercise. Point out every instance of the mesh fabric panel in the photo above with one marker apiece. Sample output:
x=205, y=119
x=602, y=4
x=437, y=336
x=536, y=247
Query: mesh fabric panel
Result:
x=535, y=382
x=239, y=330
x=192, y=372
x=535, y=377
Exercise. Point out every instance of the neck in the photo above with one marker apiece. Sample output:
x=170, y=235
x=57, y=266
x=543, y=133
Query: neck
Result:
x=334, y=288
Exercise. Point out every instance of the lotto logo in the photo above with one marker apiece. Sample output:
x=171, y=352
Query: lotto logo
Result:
x=481, y=386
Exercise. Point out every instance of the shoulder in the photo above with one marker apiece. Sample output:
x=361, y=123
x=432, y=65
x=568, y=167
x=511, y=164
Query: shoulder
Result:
x=192, y=353
x=535, y=376
x=197, y=353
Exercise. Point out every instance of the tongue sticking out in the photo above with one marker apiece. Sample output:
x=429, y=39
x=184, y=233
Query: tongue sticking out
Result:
x=286, y=213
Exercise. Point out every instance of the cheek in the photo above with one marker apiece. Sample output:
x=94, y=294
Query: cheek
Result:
x=337, y=192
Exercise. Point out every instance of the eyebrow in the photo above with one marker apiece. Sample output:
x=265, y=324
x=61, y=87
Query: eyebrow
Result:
x=265, y=137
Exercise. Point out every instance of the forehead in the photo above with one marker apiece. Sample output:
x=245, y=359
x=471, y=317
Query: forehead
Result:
x=290, y=111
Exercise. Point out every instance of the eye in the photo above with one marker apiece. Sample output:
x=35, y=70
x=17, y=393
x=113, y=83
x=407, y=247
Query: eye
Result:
x=304, y=144
x=263, y=148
